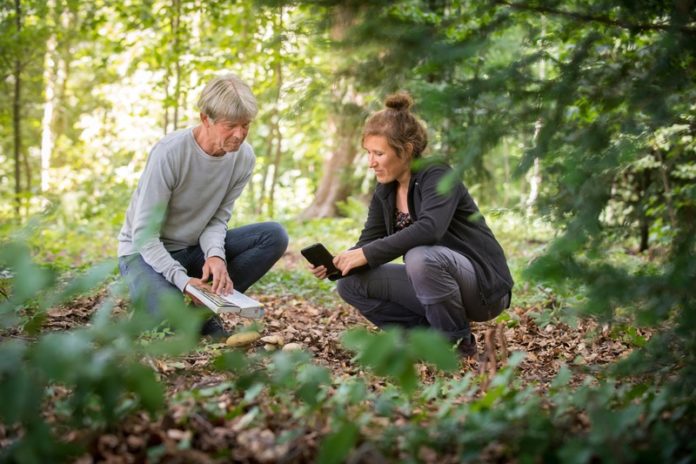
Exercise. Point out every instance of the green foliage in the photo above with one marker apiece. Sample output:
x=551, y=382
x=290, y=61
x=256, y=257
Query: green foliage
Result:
x=598, y=95
x=145, y=65
x=337, y=235
x=337, y=446
x=626, y=423
x=299, y=283
x=101, y=368
x=100, y=365
x=393, y=353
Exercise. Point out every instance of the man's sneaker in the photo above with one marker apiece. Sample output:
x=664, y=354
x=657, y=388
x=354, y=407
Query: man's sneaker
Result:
x=467, y=348
x=214, y=328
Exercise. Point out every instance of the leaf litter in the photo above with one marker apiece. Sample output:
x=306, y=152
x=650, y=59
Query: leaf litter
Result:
x=197, y=427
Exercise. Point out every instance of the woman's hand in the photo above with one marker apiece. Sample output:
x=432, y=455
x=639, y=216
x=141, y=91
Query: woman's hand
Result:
x=318, y=271
x=349, y=259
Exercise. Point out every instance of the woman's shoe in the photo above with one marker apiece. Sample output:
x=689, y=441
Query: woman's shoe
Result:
x=467, y=348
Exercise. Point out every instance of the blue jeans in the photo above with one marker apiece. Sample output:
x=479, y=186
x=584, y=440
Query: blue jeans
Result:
x=250, y=251
x=436, y=287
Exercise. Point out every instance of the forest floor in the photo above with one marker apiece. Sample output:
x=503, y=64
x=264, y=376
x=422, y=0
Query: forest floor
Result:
x=187, y=431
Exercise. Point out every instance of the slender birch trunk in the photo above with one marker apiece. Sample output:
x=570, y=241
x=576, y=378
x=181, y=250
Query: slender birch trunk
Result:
x=50, y=72
x=276, y=115
x=534, y=178
x=16, y=117
x=176, y=26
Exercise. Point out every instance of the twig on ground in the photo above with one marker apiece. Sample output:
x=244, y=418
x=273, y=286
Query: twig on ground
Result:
x=487, y=362
x=502, y=342
x=490, y=351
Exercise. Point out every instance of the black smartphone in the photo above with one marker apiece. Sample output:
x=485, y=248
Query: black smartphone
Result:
x=318, y=255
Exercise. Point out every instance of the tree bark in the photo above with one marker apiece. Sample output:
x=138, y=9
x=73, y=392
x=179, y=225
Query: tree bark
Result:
x=534, y=180
x=16, y=119
x=278, y=133
x=267, y=166
x=27, y=180
x=276, y=171
x=50, y=73
x=57, y=61
x=664, y=175
x=176, y=26
x=165, y=122
x=506, y=170
x=535, y=177
x=643, y=186
x=335, y=183
x=344, y=125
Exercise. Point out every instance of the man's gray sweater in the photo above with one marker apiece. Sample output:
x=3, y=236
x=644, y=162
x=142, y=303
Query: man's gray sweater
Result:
x=184, y=198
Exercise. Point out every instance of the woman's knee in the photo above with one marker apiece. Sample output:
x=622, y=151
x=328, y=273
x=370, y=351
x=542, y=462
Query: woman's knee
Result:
x=420, y=262
x=348, y=289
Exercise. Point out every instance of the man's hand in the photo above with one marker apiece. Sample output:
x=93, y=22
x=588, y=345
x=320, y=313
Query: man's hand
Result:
x=215, y=267
x=349, y=260
x=196, y=283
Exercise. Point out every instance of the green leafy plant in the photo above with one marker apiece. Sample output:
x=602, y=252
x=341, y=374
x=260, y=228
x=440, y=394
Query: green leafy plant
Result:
x=99, y=365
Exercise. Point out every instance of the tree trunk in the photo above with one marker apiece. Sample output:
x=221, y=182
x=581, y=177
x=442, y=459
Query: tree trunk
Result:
x=344, y=125
x=642, y=206
x=27, y=181
x=335, y=184
x=264, y=177
x=534, y=178
x=16, y=119
x=176, y=25
x=276, y=171
x=276, y=114
x=65, y=55
x=666, y=184
x=57, y=62
x=50, y=76
x=165, y=122
x=506, y=170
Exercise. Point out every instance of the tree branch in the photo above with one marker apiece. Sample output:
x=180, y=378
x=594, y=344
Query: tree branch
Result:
x=586, y=17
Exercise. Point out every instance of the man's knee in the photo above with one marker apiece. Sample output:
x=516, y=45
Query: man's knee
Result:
x=277, y=235
x=148, y=289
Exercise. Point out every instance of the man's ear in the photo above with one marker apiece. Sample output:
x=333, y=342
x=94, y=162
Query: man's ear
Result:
x=205, y=119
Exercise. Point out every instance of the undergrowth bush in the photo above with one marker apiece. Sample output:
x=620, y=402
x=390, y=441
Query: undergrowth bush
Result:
x=100, y=365
x=603, y=420
x=641, y=409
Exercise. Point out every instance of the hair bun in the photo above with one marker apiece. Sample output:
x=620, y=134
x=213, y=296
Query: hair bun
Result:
x=399, y=101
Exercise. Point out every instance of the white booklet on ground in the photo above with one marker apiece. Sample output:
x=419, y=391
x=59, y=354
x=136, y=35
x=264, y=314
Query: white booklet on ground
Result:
x=236, y=302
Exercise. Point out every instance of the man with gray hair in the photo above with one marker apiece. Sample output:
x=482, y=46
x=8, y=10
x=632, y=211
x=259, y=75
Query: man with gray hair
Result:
x=175, y=232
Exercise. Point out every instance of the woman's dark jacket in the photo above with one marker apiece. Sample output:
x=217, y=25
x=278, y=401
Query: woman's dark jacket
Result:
x=451, y=220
